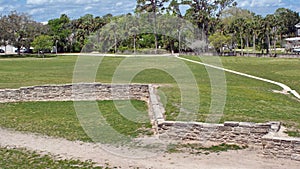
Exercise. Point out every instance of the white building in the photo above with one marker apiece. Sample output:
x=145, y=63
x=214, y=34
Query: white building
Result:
x=8, y=49
x=293, y=44
x=298, y=29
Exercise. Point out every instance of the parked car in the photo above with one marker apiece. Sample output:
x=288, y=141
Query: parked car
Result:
x=296, y=50
x=24, y=50
x=2, y=51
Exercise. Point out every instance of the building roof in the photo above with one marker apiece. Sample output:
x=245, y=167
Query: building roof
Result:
x=293, y=39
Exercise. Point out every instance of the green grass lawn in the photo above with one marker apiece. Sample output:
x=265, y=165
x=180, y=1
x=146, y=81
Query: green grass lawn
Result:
x=21, y=158
x=253, y=100
x=18, y=72
x=59, y=119
x=247, y=99
x=286, y=71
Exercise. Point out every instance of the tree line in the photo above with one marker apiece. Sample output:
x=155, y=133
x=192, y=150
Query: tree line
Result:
x=220, y=24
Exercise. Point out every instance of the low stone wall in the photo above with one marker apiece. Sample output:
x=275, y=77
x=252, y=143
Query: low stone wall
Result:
x=230, y=132
x=70, y=92
x=261, y=135
x=281, y=147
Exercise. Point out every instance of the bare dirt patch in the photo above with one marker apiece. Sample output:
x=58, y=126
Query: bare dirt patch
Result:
x=245, y=159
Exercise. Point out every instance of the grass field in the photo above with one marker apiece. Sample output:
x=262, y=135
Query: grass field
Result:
x=247, y=99
x=59, y=119
x=286, y=71
x=252, y=100
x=21, y=158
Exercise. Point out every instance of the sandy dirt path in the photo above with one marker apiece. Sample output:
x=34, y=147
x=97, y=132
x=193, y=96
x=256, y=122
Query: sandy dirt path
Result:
x=242, y=159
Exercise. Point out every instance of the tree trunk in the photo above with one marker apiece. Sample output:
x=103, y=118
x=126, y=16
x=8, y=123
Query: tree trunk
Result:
x=156, y=43
x=155, y=26
x=280, y=40
x=115, y=43
x=242, y=44
x=134, y=45
x=19, y=50
x=179, y=41
x=247, y=46
x=254, y=42
x=275, y=41
x=204, y=38
x=172, y=47
x=268, y=44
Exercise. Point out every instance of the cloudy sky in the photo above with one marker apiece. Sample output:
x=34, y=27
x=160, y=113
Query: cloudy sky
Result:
x=43, y=10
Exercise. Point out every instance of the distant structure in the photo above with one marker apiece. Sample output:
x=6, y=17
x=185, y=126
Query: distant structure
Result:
x=9, y=49
x=293, y=44
x=298, y=29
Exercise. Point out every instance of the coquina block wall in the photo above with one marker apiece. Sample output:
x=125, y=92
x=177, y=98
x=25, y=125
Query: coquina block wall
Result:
x=70, y=92
x=281, y=147
x=230, y=132
x=256, y=134
x=262, y=135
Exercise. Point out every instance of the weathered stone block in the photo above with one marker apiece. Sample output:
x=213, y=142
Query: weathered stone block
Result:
x=246, y=124
x=295, y=157
x=259, y=130
x=231, y=123
x=224, y=128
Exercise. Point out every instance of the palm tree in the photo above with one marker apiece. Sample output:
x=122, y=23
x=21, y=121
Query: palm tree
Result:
x=238, y=28
x=256, y=24
x=133, y=31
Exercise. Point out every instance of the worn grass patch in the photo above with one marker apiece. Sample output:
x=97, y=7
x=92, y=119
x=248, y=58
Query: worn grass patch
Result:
x=198, y=149
x=294, y=133
x=21, y=158
x=59, y=119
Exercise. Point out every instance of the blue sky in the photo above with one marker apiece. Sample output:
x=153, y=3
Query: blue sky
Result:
x=43, y=10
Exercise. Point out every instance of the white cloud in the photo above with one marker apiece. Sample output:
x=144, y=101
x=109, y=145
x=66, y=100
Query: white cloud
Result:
x=43, y=10
x=264, y=7
x=40, y=2
x=259, y=3
x=119, y=3
x=88, y=8
x=36, y=11
x=37, y=2
x=244, y=3
x=264, y=3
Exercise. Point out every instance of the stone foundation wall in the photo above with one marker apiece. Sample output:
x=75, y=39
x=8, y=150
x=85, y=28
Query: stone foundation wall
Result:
x=281, y=147
x=261, y=135
x=70, y=92
x=230, y=132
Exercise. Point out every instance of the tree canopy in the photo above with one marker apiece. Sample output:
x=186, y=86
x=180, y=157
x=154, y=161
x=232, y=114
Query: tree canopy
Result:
x=42, y=43
x=215, y=21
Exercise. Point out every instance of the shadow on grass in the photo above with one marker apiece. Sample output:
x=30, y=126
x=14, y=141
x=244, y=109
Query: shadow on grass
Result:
x=16, y=56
